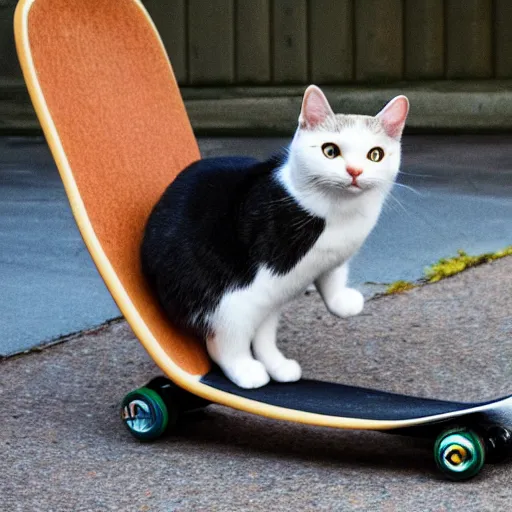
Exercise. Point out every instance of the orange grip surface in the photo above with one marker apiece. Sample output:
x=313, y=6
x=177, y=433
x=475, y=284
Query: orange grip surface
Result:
x=119, y=116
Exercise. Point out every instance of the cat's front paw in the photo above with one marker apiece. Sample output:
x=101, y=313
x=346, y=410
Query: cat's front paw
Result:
x=247, y=374
x=347, y=302
x=287, y=370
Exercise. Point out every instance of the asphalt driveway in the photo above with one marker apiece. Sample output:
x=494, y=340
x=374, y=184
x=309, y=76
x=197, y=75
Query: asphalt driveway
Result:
x=64, y=447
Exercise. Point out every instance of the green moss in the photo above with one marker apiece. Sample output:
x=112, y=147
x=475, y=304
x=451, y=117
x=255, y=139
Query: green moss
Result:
x=399, y=287
x=447, y=267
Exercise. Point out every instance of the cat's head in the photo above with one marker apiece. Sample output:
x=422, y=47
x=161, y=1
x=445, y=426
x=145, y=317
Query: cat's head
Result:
x=347, y=153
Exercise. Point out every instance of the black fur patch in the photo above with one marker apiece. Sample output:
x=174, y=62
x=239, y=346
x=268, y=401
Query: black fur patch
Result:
x=213, y=227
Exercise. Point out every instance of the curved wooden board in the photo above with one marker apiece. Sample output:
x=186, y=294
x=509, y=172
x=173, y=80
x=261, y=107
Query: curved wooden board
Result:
x=105, y=94
x=112, y=113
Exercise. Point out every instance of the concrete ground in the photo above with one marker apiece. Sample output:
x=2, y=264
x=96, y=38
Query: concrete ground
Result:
x=50, y=288
x=64, y=447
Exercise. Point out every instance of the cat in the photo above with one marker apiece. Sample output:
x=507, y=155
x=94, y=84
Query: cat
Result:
x=232, y=239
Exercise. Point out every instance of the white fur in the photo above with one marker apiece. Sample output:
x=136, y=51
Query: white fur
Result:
x=250, y=315
x=340, y=300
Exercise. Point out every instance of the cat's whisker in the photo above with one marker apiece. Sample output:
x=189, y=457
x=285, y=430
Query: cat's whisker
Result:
x=387, y=205
x=390, y=208
x=400, y=204
x=416, y=175
x=282, y=201
x=412, y=189
x=390, y=182
x=302, y=224
x=318, y=180
x=397, y=201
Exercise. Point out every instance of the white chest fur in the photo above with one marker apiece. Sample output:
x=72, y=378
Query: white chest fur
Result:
x=268, y=292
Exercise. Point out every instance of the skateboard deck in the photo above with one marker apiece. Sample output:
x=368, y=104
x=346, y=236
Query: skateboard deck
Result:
x=105, y=94
x=395, y=410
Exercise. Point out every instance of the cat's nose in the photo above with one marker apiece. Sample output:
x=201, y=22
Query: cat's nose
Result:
x=354, y=172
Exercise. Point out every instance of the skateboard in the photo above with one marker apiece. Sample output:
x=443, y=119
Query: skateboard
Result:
x=106, y=97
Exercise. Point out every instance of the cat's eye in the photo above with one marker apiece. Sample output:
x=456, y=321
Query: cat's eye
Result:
x=375, y=154
x=330, y=150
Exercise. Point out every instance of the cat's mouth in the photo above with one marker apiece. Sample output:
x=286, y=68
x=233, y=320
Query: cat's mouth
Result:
x=354, y=188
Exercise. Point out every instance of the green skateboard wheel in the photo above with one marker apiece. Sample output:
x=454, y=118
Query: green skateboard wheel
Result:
x=144, y=414
x=459, y=453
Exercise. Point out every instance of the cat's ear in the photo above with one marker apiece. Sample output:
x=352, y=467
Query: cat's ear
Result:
x=393, y=116
x=315, y=108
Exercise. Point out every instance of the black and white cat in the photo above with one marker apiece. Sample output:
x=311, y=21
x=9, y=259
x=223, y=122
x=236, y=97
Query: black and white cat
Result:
x=232, y=240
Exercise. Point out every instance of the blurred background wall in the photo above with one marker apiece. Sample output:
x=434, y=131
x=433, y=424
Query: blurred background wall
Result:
x=334, y=41
x=249, y=60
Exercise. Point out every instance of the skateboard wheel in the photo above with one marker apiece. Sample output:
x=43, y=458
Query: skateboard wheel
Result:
x=498, y=443
x=144, y=414
x=459, y=453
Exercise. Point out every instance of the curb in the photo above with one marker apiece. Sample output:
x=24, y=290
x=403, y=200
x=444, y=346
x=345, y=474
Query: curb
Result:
x=452, y=106
x=449, y=106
